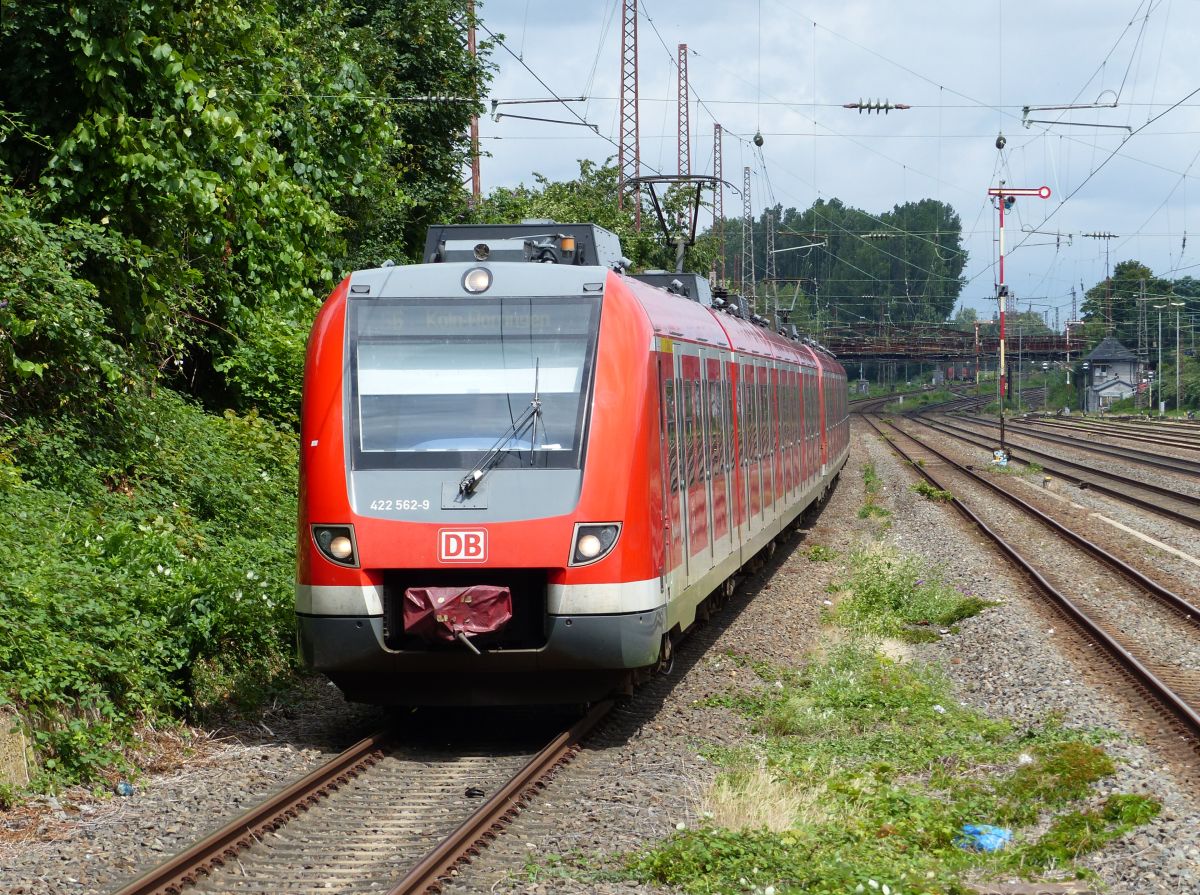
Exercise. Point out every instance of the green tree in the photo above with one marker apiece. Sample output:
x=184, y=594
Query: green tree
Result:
x=904, y=265
x=1131, y=284
x=250, y=150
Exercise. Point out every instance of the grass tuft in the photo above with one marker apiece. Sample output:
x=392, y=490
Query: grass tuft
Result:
x=929, y=492
x=890, y=594
x=865, y=775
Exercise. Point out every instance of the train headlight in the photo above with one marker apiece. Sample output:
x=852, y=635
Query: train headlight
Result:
x=476, y=280
x=589, y=547
x=593, y=542
x=336, y=543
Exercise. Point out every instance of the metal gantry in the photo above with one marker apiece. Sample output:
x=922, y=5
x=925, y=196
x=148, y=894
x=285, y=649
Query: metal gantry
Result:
x=685, y=142
x=747, y=240
x=628, y=152
x=719, y=204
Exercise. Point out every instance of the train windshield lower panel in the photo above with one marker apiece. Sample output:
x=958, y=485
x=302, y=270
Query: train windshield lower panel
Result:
x=437, y=382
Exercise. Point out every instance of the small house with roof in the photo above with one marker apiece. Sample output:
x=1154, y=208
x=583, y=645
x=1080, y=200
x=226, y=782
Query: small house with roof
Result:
x=1111, y=375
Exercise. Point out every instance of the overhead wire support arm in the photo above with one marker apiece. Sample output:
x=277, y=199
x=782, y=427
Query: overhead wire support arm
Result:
x=496, y=116
x=688, y=235
x=1120, y=127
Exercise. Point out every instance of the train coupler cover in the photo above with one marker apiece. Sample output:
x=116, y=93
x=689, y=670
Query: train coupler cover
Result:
x=456, y=613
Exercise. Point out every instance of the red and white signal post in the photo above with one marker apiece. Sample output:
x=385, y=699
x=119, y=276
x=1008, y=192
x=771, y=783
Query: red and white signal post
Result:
x=1007, y=196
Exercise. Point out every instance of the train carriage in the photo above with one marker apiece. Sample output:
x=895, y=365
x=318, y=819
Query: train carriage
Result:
x=519, y=480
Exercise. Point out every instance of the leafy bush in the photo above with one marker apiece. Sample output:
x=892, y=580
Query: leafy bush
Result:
x=56, y=346
x=148, y=571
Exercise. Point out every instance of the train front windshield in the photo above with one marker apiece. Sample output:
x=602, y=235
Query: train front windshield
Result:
x=437, y=382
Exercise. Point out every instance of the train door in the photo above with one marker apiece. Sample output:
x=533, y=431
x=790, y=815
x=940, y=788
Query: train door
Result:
x=733, y=478
x=824, y=435
x=779, y=444
x=718, y=428
x=699, y=547
x=673, y=511
x=766, y=441
x=789, y=415
x=748, y=415
x=811, y=415
x=797, y=433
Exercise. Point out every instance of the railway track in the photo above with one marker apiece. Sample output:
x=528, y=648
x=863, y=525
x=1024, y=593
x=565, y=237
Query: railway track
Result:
x=1190, y=468
x=1088, y=428
x=1152, y=634
x=383, y=816
x=1167, y=502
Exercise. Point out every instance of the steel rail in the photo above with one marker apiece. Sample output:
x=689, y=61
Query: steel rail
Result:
x=1129, y=434
x=490, y=818
x=1163, y=694
x=223, y=844
x=1184, y=467
x=1054, y=464
x=1169, y=597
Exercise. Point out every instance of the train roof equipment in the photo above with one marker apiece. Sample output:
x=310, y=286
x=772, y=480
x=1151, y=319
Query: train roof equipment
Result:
x=538, y=241
x=688, y=285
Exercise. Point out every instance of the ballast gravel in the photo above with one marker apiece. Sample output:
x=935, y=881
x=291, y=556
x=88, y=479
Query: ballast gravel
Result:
x=643, y=773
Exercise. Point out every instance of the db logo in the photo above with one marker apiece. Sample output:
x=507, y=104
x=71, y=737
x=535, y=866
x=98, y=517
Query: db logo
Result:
x=462, y=545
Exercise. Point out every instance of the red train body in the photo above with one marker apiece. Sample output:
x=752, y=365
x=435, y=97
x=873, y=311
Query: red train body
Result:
x=663, y=446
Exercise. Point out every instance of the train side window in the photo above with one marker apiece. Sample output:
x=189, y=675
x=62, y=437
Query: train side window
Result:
x=752, y=416
x=716, y=427
x=743, y=420
x=727, y=392
x=689, y=433
x=672, y=434
x=764, y=406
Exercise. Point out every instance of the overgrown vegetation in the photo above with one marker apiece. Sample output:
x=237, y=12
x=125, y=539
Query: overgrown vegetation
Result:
x=180, y=184
x=1015, y=468
x=821, y=553
x=929, y=492
x=872, y=485
x=893, y=595
x=150, y=576
x=922, y=399
x=871, y=769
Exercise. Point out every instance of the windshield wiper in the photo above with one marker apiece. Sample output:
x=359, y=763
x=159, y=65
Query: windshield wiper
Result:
x=469, y=482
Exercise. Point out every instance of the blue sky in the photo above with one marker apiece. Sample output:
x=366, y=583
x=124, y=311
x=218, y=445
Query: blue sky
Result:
x=784, y=68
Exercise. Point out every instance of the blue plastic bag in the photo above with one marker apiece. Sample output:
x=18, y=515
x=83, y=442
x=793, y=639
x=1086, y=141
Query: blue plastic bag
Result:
x=983, y=837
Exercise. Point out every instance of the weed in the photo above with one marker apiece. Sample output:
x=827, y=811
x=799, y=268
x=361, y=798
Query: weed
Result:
x=869, y=510
x=901, y=767
x=1079, y=832
x=871, y=478
x=873, y=485
x=889, y=594
x=1016, y=469
x=821, y=553
x=929, y=492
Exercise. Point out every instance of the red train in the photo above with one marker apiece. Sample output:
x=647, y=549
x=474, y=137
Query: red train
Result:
x=520, y=480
